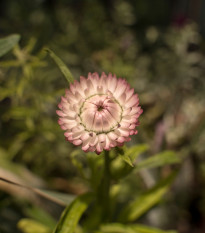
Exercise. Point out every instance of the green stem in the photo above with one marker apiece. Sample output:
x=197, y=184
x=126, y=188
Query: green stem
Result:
x=105, y=189
x=107, y=179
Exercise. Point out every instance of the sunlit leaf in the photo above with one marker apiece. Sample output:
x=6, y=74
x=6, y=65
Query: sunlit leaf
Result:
x=72, y=214
x=146, y=229
x=32, y=226
x=145, y=201
x=116, y=228
x=164, y=158
x=130, y=228
x=64, y=69
x=7, y=43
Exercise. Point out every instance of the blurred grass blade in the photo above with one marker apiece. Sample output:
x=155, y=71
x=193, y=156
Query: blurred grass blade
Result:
x=116, y=228
x=64, y=69
x=130, y=228
x=146, y=229
x=72, y=214
x=161, y=159
x=32, y=226
x=145, y=201
x=59, y=198
x=39, y=215
x=7, y=43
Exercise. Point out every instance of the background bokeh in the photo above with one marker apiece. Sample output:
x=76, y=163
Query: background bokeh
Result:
x=158, y=46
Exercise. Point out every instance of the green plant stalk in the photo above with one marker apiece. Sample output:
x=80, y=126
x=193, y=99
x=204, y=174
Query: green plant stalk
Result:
x=106, y=203
x=104, y=190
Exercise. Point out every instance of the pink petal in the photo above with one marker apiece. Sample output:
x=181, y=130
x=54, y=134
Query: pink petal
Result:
x=99, y=112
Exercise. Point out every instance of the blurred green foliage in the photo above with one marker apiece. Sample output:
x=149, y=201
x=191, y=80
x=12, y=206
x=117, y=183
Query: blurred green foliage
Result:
x=165, y=65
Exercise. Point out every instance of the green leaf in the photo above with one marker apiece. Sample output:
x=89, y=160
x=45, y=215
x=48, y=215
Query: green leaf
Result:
x=23, y=176
x=164, y=158
x=127, y=159
x=136, y=150
x=64, y=69
x=31, y=226
x=122, y=164
x=7, y=43
x=116, y=228
x=129, y=228
x=146, y=229
x=59, y=198
x=72, y=214
x=130, y=154
x=145, y=201
x=40, y=215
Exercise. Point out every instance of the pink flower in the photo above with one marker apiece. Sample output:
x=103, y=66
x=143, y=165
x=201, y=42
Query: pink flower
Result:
x=99, y=113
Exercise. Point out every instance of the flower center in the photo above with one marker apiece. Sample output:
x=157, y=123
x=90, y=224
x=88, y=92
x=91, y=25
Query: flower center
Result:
x=100, y=108
x=100, y=113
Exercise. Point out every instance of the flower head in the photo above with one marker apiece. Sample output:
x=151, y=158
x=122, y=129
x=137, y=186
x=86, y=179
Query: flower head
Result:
x=99, y=112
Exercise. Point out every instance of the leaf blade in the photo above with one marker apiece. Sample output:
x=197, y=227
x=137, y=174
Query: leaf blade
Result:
x=147, y=229
x=27, y=225
x=59, y=198
x=163, y=158
x=72, y=214
x=7, y=43
x=130, y=154
x=146, y=201
x=130, y=228
x=116, y=228
x=63, y=68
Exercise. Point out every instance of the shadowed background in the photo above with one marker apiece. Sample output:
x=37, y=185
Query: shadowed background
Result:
x=158, y=46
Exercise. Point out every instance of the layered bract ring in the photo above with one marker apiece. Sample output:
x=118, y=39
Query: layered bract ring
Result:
x=99, y=112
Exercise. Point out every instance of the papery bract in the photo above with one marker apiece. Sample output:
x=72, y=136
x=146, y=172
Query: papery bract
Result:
x=99, y=112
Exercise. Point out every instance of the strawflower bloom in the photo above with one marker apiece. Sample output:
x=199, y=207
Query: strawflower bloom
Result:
x=99, y=112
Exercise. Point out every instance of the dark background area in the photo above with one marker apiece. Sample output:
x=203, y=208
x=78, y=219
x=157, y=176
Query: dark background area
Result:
x=158, y=46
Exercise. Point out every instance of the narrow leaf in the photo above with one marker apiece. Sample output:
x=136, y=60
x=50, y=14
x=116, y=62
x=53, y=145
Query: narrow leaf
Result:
x=130, y=228
x=146, y=201
x=41, y=216
x=59, y=198
x=116, y=228
x=146, y=229
x=136, y=150
x=7, y=43
x=127, y=159
x=164, y=158
x=72, y=214
x=130, y=154
x=32, y=226
x=63, y=68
